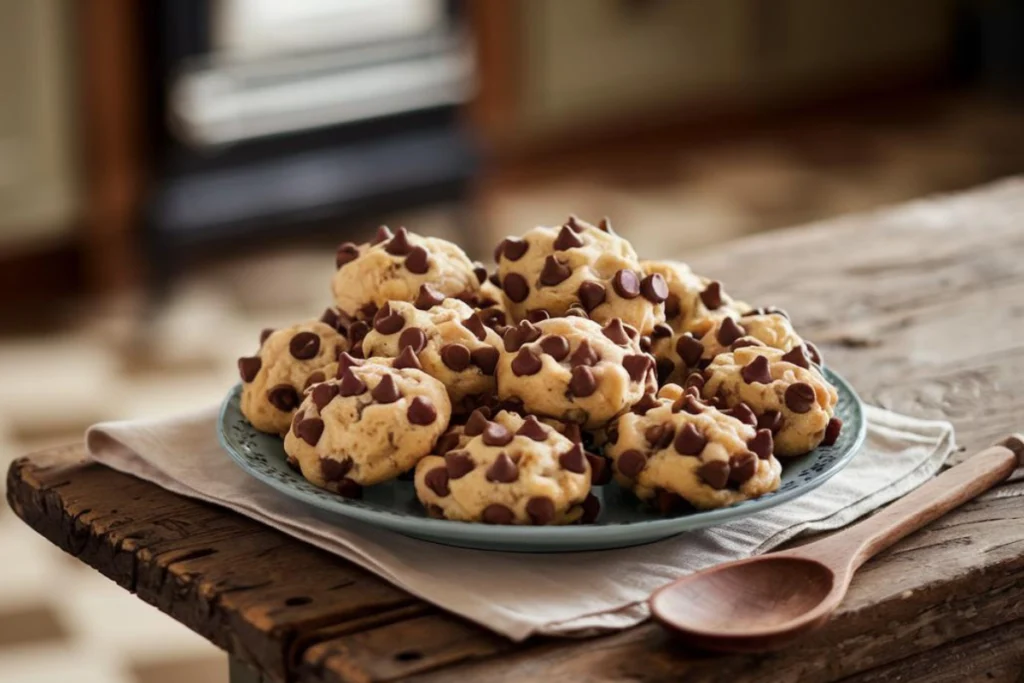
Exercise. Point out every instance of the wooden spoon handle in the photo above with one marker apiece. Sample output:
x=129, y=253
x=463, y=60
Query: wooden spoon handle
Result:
x=952, y=488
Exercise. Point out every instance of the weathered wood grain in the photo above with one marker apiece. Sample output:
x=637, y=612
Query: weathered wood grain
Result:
x=921, y=307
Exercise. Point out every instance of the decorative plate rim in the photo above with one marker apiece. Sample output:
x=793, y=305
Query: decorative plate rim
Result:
x=398, y=519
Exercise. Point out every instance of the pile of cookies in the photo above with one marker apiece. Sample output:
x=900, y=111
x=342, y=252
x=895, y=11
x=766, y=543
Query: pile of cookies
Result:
x=509, y=395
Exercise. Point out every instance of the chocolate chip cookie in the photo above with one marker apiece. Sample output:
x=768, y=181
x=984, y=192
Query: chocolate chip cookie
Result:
x=574, y=369
x=779, y=390
x=449, y=341
x=680, y=453
x=510, y=470
x=289, y=361
x=395, y=267
x=549, y=270
x=367, y=426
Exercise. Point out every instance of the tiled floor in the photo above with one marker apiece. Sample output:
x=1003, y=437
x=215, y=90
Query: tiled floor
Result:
x=113, y=362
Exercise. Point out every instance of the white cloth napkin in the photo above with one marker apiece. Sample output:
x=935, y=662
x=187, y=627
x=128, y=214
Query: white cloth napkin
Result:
x=519, y=595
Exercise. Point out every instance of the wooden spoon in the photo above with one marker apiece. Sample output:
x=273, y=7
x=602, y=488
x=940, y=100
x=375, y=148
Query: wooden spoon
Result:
x=764, y=602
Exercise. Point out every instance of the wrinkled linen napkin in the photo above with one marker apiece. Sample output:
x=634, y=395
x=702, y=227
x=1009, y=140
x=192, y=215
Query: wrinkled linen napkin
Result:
x=519, y=595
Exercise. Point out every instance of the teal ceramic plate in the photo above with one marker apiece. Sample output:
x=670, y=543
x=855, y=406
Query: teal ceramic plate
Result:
x=623, y=520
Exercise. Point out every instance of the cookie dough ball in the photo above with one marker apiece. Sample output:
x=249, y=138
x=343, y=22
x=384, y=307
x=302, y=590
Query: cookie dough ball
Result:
x=779, y=390
x=372, y=424
x=681, y=452
x=511, y=470
x=395, y=267
x=693, y=301
x=289, y=360
x=447, y=341
x=574, y=369
x=548, y=270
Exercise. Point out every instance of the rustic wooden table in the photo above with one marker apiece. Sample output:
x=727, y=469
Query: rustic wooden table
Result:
x=921, y=307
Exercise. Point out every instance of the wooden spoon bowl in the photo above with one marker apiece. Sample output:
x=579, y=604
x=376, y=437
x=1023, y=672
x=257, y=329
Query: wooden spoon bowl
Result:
x=765, y=602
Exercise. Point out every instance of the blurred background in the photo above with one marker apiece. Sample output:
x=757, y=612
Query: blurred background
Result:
x=174, y=176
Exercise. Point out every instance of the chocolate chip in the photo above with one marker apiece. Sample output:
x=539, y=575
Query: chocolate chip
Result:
x=695, y=380
x=744, y=342
x=314, y=378
x=600, y=472
x=458, y=464
x=428, y=297
x=572, y=432
x=533, y=429
x=526, y=363
x=413, y=338
x=556, y=346
x=798, y=356
x=541, y=510
x=346, y=488
x=387, y=321
x=535, y=315
x=591, y=295
x=475, y=325
x=502, y=470
x=654, y=288
x=323, y=394
x=689, y=441
x=832, y=431
x=407, y=360
x=386, y=390
x=574, y=460
x=742, y=467
x=631, y=463
x=516, y=287
x=646, y=402
x=574, y=224
x=334, y=470
x=660, y=436
x=515, y=247
x=712, y=295
x=304, y=345
x=637, y=366
x=495, y=513
x=437, y=481
x=455, y=356
x=645, y=343
x=525, y=333
x=661, y=331
x=766, y=310
x=591, y=509
x=494, y=280
x=605, y=225
x=496, y=435
x=742, y=412
x=346, y=253
x=418, y=261
x=485, y=358
x=265, y=333
x=554, y=272
x=567, y=239
x=283, y=397
x=690, y=404
x=615, y=331
x=368, y=310
x=800, y=397
x=673, y=307
x=584, y=355
x=383, y=234
x=310, y=430
x=346, y=361
x=399, y=245
x=446, y=443
x=770, y=420
x=350, y=384
x=626, y=284
x=480, y=272
x=757, y=370
x=761, y=444
x=689, y=349
x=729, y=331
x=715, y=473
x=476, y=423
x=248, y=367
x=613, y=433
x=583, y=382
x=421, y=411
